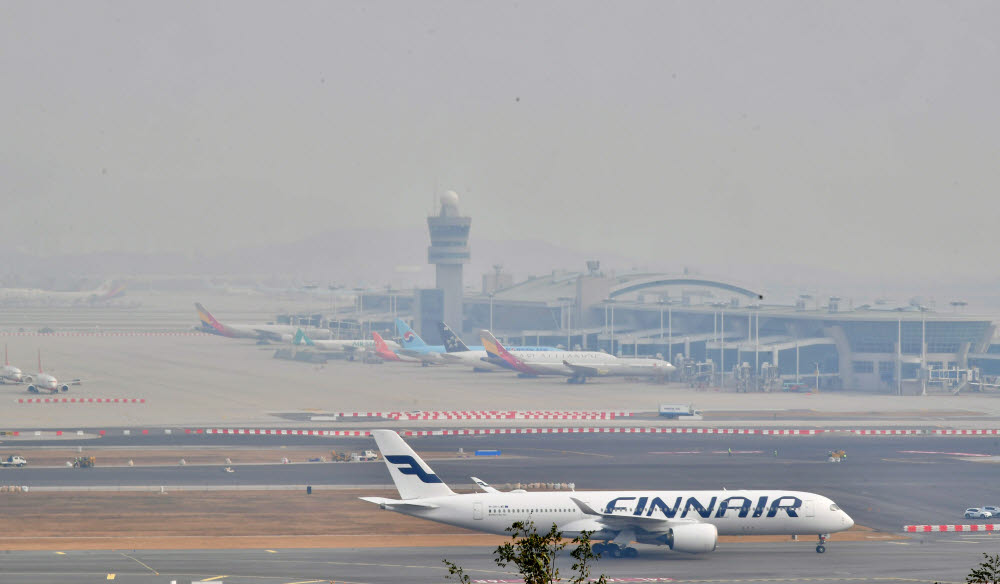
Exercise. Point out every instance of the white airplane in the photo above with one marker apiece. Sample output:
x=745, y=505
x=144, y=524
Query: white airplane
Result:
x=344, y=345
x=100, y=296
x=45, y=382
x=9, y=373
x=685, y=521
x=577, y=365
x=266, y=332
x=476, y=357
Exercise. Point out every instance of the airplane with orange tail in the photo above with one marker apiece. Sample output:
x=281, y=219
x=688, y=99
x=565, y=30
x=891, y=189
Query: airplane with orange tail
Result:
x=382, y=351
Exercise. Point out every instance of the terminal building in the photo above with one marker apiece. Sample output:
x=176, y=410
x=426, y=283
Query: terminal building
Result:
x=717, y=332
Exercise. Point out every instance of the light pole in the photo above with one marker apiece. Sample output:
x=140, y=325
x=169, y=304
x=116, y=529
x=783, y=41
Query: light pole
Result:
x=491, y=312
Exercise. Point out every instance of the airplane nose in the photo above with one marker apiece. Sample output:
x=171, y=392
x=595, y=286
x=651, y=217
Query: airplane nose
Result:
x=848, y=522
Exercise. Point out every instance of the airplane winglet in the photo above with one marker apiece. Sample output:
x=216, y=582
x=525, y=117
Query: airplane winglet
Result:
x=483, y=485
x=587, y=509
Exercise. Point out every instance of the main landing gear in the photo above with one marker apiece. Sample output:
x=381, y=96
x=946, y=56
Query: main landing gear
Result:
x=577, y=379
x=820, y=548
x=613, y=550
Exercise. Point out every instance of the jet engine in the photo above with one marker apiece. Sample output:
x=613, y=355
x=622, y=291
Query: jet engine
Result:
x=64, y=387
x=697, y=538
x=28, y=379
x=32, y=389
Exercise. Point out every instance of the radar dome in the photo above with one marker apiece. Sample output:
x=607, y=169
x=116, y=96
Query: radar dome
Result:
x=449, y=204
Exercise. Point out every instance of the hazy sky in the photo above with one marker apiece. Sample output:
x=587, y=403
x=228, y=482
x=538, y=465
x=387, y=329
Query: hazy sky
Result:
x=857, y=136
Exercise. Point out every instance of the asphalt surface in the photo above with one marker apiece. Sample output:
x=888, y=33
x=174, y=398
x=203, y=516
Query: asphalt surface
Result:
x=940, y=559
x=885, y=483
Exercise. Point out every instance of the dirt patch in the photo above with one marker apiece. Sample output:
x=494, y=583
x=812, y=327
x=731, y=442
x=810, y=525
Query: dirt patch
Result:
x=238, y=520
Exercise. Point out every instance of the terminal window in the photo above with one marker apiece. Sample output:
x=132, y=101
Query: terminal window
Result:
x=863, y=366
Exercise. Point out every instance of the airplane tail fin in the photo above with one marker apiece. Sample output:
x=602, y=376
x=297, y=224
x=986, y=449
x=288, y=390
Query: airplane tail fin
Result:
x=382, y=349
x=302, y=339
x=413, y=478
x=452, y=342
x=208, y=322
x=411, y=339
x=497, y=351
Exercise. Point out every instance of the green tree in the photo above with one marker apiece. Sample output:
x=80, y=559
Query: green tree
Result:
x=534, y=554
x=988, y=572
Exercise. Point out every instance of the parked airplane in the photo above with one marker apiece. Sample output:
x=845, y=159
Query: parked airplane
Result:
x=578, y=365
x=415, y=347
x=475, y=357
x=685, y=521
x=34, y=297
x=383, y=351
x=345, y=345
x=45, y=382
x=9, y=373
x=267, y=332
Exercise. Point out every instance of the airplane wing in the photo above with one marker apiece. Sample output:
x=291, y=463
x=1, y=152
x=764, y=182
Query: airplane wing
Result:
x=621, y=522
x=588, y=370
x=269, y=335
x=383, y=502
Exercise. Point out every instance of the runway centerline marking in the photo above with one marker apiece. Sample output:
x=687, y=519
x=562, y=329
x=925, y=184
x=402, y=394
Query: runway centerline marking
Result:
x=307, y=582
x=140, y=563
x=271, y=551
x=111, y=576
x=214, y=578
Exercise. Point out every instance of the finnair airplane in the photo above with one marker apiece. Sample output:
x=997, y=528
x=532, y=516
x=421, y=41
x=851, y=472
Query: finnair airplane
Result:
x=577, y=365
x=685, y=521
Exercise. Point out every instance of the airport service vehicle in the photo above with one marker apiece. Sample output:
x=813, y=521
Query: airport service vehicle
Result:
x=366, y=456
x=686, y=521
x=261, y=332
x=9, y=373
x=46, y=382
x=577, y=365
x=977, y=513
x=14, y=460
x=679, y=412
x=475, y=357
x=795, y=387
x=349, y=346
x=991, y=509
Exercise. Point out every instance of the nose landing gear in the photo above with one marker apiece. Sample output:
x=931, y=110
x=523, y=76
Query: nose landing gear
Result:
x=820, y=548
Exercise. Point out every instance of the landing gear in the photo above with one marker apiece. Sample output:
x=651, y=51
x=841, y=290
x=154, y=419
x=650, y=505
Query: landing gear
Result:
x=577, y=379
x=820, y=548
x=614, y=550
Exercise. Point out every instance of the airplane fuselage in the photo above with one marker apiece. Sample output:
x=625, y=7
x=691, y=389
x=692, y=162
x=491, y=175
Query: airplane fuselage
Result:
x=757, y=512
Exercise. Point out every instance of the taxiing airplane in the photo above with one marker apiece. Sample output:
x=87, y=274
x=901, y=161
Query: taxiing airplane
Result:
x=265, y=332
x=46, y=382
x=685, y=521
x=9, y=373
x=577, y=365
x=345, y=345
x=475, y=357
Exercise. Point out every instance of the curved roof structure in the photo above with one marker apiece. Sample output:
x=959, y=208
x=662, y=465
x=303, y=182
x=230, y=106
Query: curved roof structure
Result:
x=628, y=284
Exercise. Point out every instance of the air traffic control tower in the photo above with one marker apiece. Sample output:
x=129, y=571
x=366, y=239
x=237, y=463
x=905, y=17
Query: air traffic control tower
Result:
x=449, y=249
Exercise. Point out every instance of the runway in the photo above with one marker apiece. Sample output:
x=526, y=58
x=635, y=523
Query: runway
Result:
x=941, y=559
x=885, y=483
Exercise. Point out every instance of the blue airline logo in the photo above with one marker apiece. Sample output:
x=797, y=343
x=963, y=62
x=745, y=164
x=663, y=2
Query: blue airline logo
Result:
x=743, y=506
x=409, y=466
